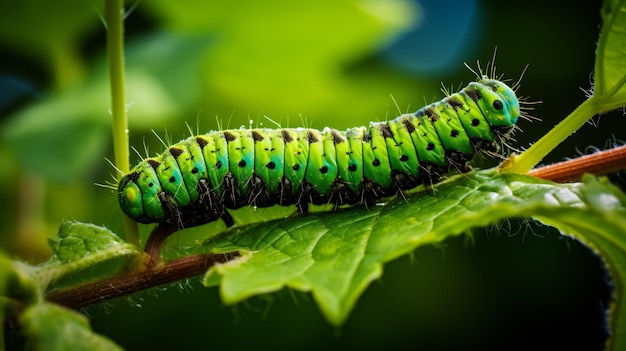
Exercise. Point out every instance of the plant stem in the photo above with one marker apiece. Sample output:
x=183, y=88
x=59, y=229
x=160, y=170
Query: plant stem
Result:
x=155, y=240
x=125, y=284
x=531, y=157
x=598, y=163
x=114, y=14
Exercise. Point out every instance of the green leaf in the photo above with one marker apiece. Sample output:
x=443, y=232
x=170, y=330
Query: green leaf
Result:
x=610, y=71
x=601, y=224
x=336, y=255
x=85, y=252
x=50, y=327
x=16, y=282
x=47, y=326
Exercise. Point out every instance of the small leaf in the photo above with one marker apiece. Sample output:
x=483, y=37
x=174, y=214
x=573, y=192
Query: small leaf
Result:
x=84, y=252
x=336, y=255
x=50, y=327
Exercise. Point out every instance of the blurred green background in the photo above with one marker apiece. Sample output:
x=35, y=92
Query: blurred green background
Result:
x=218, y=64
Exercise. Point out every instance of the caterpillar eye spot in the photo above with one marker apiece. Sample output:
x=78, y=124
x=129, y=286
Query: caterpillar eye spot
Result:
x=242, y=163
x=324, y=170
x=454, y=133
x=131, y=195
x=430, y=147
x=475, y=122
x=404, y=158
x=352, y=167
x=376, y=163
x=172, y=179
x=498, y=105
x=151, y=184
x=194, y=170
x=218, y=165
x=296, y=167
x=271, y=165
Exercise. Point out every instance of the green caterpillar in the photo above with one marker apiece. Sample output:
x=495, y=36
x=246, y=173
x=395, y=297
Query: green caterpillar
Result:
x=196, y=180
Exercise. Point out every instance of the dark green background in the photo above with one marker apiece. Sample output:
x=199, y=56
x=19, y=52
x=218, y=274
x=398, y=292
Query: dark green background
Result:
x=516, y=286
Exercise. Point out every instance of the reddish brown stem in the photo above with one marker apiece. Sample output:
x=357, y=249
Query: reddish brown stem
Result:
x=156, y=239
x=117, y=286
x=599, y=163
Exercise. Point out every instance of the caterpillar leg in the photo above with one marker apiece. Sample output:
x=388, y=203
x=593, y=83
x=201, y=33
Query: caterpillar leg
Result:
x=156, y=239
x=228, y=219
x=303, y=207
x=208, y=209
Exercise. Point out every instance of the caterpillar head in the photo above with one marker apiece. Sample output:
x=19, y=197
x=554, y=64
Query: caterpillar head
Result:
x=498, y=103
x=129, y=196
x=138, y=194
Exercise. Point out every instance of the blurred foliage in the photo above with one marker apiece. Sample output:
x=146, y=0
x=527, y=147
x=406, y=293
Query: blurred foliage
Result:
x=60, y=329
x=224, y=63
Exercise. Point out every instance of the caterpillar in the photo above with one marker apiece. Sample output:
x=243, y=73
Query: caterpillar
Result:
x=196, y=180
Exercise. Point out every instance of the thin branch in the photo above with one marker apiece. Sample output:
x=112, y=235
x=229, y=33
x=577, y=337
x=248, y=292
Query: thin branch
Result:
x=122, y=285
x=599, y=163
